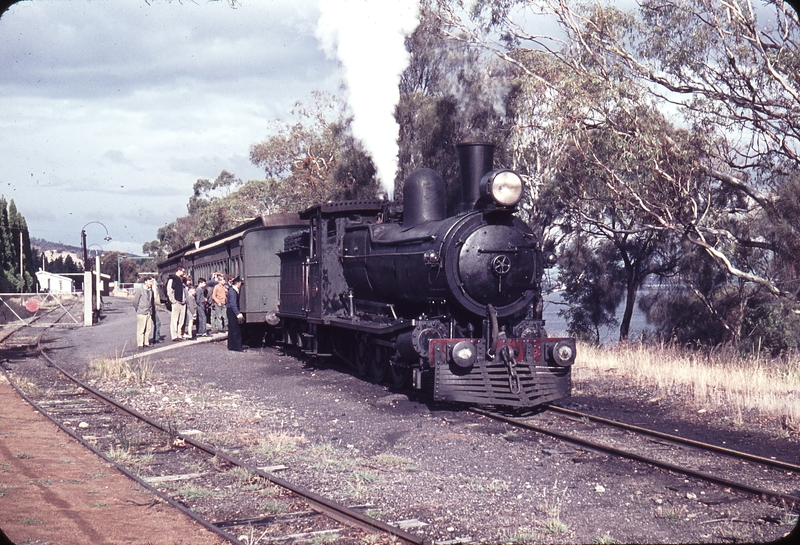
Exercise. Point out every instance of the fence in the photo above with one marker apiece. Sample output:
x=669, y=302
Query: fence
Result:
x=26, y=308
x=124, y=289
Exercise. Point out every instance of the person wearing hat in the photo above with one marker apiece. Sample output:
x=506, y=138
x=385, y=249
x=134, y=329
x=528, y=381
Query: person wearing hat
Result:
x=235, y=316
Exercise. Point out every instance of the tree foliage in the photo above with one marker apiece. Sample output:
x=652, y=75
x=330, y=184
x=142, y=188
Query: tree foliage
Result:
x=593, y=287
x=15, y=242
x=673, y=126
x=214, y=206
x=312, y=159
x=315, y=158
x=62, y=264
x=449, y=93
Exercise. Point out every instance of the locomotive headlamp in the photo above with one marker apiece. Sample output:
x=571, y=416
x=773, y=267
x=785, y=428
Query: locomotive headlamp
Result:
x=464, y=354
x=561, y=353
x=503, y=187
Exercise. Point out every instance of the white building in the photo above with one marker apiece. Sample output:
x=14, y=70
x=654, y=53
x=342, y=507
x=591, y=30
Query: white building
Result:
x=54, y=283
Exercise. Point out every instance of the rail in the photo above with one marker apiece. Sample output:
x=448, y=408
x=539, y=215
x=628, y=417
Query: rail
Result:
x=599, y=447
x=323, y=505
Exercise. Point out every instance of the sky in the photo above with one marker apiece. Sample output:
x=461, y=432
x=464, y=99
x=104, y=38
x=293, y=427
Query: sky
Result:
x=112, y=109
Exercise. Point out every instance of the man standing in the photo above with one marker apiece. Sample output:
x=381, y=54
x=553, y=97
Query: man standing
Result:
x=191, y=310
x=143, y=305
x=219, y=296
x=200, y=298
x=235, y=316
x=156, y=320
x=175, y=292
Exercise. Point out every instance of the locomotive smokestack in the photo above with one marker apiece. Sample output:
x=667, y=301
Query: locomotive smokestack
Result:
x=424, y=198
x=475, y=159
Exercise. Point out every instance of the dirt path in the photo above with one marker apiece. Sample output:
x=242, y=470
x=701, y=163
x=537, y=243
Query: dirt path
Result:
x=54, y=490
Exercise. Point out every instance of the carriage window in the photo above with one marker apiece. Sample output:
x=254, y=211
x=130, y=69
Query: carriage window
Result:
x=331, y=227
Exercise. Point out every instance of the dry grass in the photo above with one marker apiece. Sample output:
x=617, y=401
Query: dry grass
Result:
x=276, y=444
x=138, y=370
x=766, y=387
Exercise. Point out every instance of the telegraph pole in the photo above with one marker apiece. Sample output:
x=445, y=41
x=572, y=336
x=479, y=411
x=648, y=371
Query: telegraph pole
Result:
x=21, y=262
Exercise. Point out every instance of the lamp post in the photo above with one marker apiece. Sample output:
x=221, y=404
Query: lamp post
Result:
x=89, y=312
x=83, y=240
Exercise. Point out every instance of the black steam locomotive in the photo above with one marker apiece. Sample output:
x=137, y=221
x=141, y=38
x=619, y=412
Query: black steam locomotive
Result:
x=402, y=292
x=406, y=294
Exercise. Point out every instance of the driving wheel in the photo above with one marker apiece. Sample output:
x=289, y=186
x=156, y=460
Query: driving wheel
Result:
x=361, y=359
x=379, y=365
x=398, y=374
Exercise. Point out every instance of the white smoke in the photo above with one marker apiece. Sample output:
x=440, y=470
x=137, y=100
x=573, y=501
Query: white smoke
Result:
x=367, y=37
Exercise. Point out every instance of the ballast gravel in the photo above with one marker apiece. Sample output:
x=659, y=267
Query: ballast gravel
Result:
x=439, y=471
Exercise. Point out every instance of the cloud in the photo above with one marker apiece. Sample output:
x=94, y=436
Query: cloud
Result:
x=112, y=110
x=91, y=49
x=118, y=157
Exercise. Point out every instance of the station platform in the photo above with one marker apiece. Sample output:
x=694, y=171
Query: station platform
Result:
x=54, y=490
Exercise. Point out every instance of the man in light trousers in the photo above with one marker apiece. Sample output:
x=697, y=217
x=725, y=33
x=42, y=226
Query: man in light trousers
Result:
x=143, y=305
x=175, y=292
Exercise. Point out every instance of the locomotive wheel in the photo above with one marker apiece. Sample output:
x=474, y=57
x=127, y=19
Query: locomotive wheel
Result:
x=398, y=375
x=361, y=356
x=379, y=364
x=295, y=336
x=288, y=334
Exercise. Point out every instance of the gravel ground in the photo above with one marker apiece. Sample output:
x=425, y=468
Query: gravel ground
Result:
x=464, y=478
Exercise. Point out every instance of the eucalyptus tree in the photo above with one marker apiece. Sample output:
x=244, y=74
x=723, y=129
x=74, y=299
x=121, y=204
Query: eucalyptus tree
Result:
x=308, y=159
x=710, y=92
x=450, y=93
x=729, y=71
x=610, y=136
x=593, y=286
x=314, y=157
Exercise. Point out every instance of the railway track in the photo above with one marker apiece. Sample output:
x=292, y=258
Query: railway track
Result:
x=236, y=500
x=769, y=479
x=451, y=476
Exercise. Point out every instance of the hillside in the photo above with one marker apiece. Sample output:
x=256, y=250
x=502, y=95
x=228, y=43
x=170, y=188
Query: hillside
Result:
x=58, y=247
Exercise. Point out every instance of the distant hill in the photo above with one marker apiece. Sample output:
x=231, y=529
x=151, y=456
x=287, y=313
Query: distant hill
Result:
x=45, y=245
x=52, y=251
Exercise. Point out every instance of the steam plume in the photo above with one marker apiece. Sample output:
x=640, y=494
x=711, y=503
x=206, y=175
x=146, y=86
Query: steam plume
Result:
x=367, y=37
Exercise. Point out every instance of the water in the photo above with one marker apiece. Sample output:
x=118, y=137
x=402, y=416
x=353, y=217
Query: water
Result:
x=557, y=326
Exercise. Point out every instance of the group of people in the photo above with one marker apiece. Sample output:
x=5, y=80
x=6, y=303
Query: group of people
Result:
x=189, y=304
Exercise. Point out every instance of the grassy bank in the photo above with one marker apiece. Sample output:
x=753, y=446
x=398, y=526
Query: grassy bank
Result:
x=718, y=380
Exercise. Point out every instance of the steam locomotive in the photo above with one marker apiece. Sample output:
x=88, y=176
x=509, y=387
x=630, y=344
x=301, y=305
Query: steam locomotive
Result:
x=402, y=292
x=405, y=293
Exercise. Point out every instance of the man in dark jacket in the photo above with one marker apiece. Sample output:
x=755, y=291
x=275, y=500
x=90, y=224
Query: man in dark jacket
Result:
x=200, y=297
x=157, y=302
x=235, y=316
x=175, y=293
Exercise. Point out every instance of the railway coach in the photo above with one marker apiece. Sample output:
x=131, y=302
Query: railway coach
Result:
x=249, y=251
